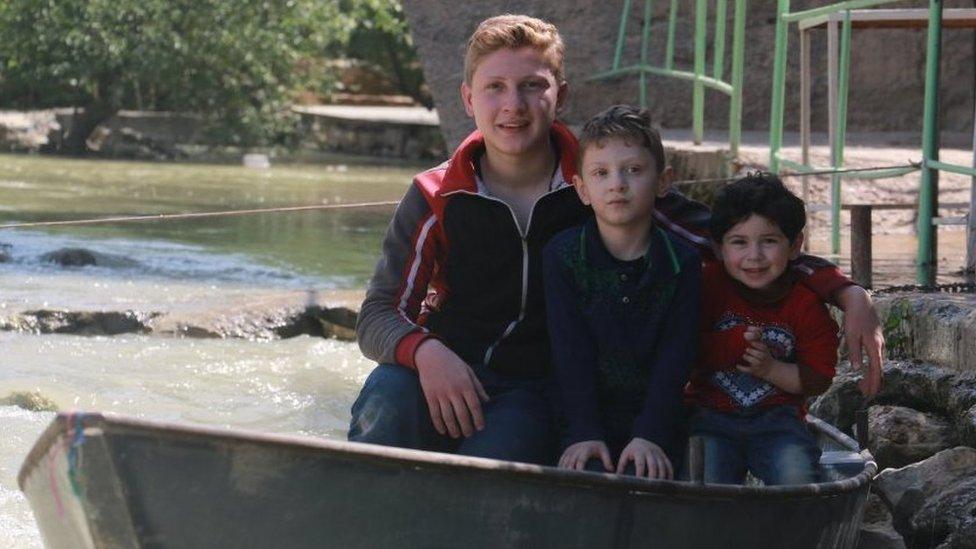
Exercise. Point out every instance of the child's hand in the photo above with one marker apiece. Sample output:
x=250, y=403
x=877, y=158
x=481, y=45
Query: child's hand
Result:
x=576, y=456
x=649, y=459
x=759, y=362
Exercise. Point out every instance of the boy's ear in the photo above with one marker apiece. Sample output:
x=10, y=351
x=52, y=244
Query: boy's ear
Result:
x=664, y=180
x=584, y=195
x=796, y=248
x=466, y=99
x=561, y=96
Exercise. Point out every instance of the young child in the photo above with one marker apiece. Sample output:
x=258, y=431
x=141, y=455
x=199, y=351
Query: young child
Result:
x=622, y=303
x=768, y=342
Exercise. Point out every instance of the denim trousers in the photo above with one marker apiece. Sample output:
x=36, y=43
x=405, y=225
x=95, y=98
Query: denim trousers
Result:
x=773, y=443
x=391, y=410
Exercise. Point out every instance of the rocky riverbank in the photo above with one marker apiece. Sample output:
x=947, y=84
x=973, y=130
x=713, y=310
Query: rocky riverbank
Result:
x=275, y=315
x=922, y=425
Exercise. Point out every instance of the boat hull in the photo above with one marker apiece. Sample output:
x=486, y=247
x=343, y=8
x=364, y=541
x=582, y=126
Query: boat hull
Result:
x=109, y=481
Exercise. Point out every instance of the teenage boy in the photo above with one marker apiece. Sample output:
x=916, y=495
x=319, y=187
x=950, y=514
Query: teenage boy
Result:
x=455, y=310
x=768, y=342
x=622, y=303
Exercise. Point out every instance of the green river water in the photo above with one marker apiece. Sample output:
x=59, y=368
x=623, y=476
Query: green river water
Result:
x=301, y=385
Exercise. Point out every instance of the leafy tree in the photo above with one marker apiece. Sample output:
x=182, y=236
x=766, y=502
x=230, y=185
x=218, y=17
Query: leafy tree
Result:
x=382, y=37
x=231, y=61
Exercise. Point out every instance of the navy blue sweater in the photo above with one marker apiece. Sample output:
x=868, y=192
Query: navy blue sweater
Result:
x=624, y=335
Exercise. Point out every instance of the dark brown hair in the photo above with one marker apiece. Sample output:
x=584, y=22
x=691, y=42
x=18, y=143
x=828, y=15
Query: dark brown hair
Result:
x=623, y=122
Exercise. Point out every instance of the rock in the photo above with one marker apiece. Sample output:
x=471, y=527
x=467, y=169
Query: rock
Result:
x=5, y=256
x=338, y=323
x=879, y=536
x=79, y=322
x=949, y=515
x=29, y=131
x=261, y=324
x=838, y=404
x=966, y=427
x=70, y=257
x=899, y=436
x=876, y=510
x=81, y=257
x=909, y=383
x=877, y=531
x=30, y=401
x=910, y=489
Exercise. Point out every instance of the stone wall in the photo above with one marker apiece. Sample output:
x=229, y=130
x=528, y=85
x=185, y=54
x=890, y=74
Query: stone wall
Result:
x=163, y=135
x=887, y=65
x=408, y=141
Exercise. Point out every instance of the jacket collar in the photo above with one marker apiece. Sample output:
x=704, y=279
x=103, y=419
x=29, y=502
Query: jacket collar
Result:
x=461, y=174
x=662, y=259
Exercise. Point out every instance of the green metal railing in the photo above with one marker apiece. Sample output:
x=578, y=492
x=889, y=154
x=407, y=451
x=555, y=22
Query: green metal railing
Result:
x=698, y=75
x=930, y=165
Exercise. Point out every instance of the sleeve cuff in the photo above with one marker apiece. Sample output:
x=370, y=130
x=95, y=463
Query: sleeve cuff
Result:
x=406, y=349
x=826, y=281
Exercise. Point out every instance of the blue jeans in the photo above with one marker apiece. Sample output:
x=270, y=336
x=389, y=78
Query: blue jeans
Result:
x=773, y=443
x=391, y=410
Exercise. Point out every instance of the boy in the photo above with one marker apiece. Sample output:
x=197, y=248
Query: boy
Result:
x=768, y=342
x=622, y=303
x=455, y=311
x=472, y=355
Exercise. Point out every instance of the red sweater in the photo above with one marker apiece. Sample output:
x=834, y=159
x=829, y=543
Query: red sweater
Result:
x=797, y=329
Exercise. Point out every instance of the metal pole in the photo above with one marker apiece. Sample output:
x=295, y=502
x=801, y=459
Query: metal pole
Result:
x=621, y=33
x=971, y=217
x=645, y=45
x=779, y=86
x=832, y=86
x=832, y=70
x=841, y=132
x=718, y=63
x=925, y=262
x=738, y=62
x=805, y=122
x=698, y=98
x=672, y=23
x=805, y=100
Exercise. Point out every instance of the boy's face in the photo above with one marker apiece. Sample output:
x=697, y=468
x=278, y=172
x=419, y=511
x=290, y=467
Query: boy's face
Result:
x=756, y=252
x=621, y=181
x=513, y=97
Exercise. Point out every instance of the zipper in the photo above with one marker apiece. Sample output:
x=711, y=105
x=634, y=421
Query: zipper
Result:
x=525, y=262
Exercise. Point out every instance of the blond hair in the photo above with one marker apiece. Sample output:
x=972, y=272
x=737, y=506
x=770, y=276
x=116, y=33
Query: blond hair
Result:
x=513, y=32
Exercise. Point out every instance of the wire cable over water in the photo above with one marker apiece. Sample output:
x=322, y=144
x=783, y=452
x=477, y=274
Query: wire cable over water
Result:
x=360, y=205
x=197, y=215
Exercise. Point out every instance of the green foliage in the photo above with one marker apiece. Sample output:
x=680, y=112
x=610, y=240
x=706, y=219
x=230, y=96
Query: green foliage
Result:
x=231, y=61
x=897, y=329
x=381, y=37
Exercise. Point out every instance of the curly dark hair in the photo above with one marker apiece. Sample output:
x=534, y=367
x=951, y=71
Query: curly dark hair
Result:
x=623, y=122
x=761, y=194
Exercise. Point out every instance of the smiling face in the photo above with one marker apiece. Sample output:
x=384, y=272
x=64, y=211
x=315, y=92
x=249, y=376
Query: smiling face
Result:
x=620, y=180
x=756, y=252
x=513, y=97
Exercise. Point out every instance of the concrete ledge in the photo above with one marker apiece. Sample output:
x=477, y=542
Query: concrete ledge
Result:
x=937, y=328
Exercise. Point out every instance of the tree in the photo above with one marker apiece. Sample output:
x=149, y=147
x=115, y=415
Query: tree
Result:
x=382, y=37
x=230, y=61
